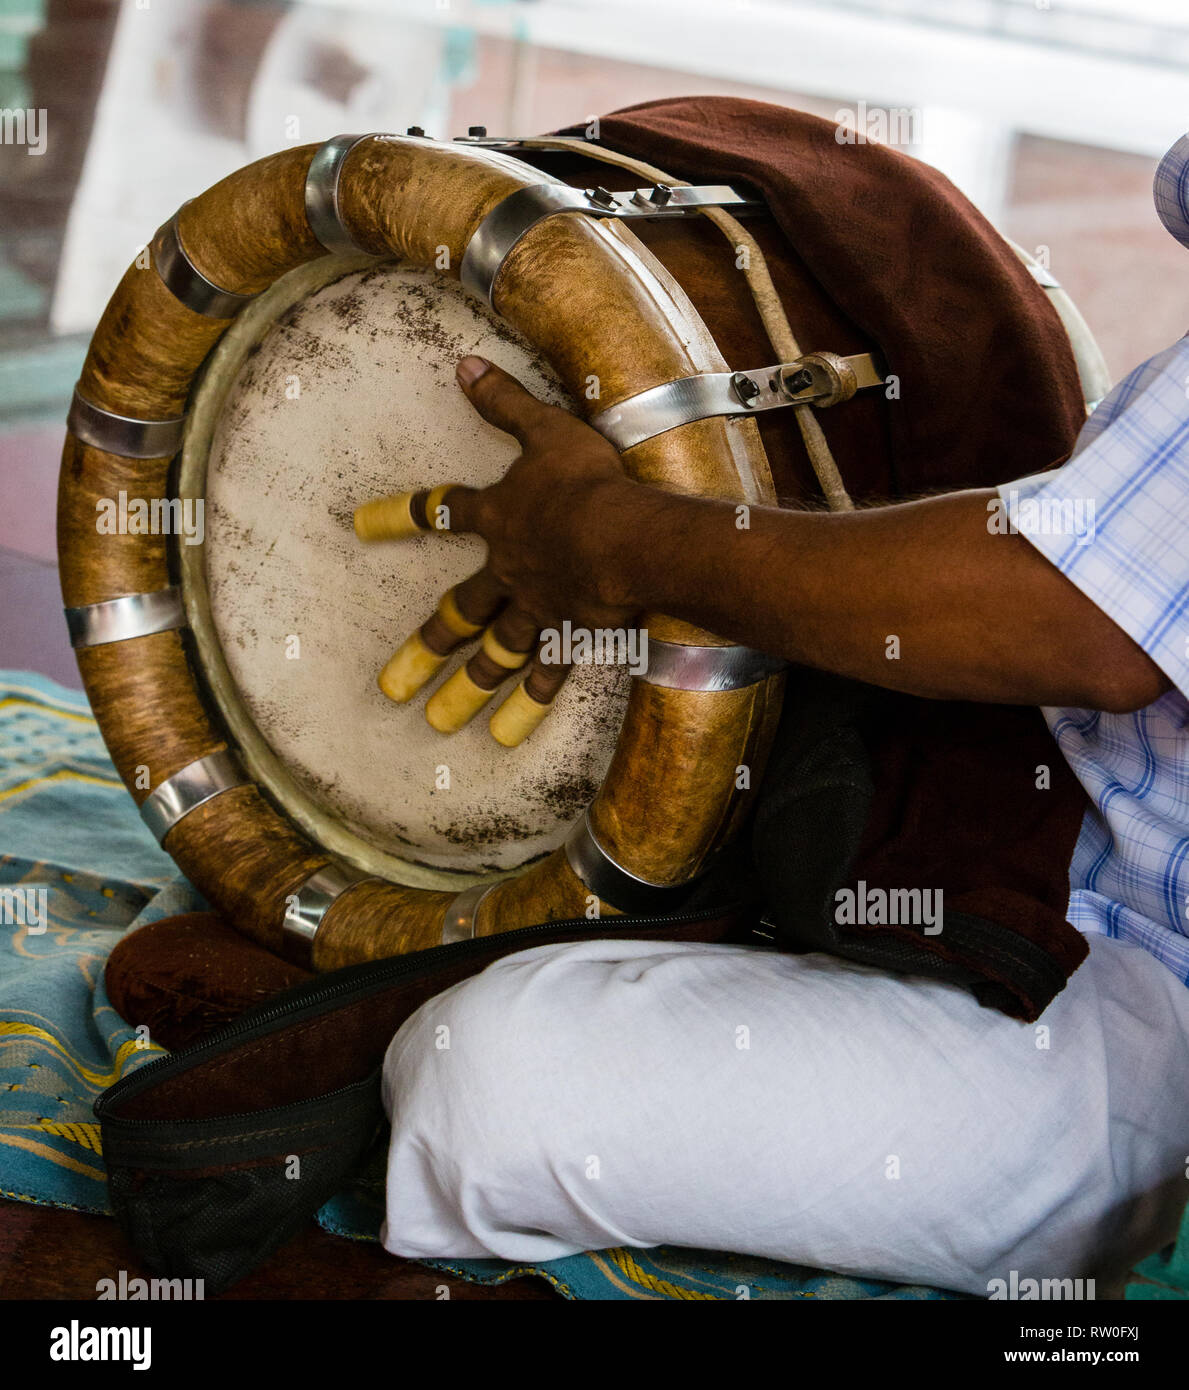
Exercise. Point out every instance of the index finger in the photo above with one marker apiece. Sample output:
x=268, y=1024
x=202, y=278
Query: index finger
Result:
x=502, y=400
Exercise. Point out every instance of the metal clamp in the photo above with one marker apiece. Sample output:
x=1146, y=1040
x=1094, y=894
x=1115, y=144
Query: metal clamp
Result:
x=678, y=667
x=196, y=783
x=322, y=194
x=306, y=908
x=533, y=143
x=182, y=278
x=119, y=619
x=123, y=435
x=519, y=212
x=818, y=378
x=610, y=881
x=490, y=142
x=458, y=924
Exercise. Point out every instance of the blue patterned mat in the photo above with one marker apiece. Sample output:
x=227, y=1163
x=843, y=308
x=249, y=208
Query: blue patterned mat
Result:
x=78, y=869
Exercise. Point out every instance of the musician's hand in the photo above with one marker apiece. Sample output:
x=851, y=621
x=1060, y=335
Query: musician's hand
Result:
x=555, y=527
x=553, y=522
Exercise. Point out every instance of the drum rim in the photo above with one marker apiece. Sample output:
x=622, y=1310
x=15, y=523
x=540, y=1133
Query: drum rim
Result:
x=248, y=857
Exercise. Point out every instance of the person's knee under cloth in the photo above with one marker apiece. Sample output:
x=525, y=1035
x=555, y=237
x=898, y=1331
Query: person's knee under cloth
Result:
x=797, y=1107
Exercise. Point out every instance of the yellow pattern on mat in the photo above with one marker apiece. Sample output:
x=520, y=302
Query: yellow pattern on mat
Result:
x=18, y=1141
x=14, y=1032
x=41, y=707
x=641, y=1277
x=64, y=775
x=85, y=1134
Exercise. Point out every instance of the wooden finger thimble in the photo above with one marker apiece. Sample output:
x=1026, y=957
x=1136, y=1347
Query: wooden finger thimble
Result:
x=409, y=669
x=387, y=518
x=455, y=702
x=517, y=717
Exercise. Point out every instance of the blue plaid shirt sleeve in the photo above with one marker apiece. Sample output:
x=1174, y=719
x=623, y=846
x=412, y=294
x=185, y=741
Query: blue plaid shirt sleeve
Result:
x=1115, y=518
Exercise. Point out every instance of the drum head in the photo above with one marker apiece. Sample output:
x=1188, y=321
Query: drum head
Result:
x=334, y=387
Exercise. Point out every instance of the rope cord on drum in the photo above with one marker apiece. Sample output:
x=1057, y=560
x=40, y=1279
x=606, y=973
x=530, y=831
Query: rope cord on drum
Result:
x=763, y=292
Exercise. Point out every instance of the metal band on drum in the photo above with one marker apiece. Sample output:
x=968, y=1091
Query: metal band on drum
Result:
x=611, y=882
x=189, y=788
x=458, y=924
x=322, y=194
x=182, y=278
x=120, y=619
x=125, y=436
x=519, y=212
x=677, y=667
x=314, y=899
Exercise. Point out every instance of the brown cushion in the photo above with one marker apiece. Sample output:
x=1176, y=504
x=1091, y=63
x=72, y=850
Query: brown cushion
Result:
x=185, y=976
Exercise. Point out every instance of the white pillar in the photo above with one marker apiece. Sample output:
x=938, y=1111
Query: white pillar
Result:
x=973, y=151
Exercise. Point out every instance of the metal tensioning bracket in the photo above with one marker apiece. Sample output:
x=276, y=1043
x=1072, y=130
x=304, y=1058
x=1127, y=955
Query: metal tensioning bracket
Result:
x=182, y=278
x=188, y=788
x=819, y=378
x=611, y=882
x=519, y=212
x=132, y=615
x=307, y=907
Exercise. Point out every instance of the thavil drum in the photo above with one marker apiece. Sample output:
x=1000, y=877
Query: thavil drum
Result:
x=288, y=355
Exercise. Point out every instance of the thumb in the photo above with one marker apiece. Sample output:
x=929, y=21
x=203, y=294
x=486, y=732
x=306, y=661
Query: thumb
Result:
x=500, y=398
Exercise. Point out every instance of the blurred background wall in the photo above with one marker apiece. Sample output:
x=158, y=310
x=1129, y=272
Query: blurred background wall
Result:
x=1049, y=115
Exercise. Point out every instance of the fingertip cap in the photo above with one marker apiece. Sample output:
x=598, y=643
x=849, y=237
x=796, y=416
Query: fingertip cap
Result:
x=517, y=717
x=409, y=669
x=386, y=519
x=455, y=703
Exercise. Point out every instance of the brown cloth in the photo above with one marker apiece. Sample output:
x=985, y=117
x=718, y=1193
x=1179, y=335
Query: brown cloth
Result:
x=989, y=390
x=974, y=800
x=186, y=976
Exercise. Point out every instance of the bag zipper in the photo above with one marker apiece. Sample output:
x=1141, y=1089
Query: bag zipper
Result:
x=377, y=973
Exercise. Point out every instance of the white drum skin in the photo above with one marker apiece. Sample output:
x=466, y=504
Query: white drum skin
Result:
x=335, y=387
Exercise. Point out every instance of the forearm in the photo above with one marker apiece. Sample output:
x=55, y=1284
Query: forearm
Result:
x=919, y=596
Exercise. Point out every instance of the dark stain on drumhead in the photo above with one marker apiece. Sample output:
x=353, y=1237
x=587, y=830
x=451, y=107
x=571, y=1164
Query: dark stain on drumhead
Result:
x=495, y=828
x=341, y=517
x=415, y=317
x=565, y=801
